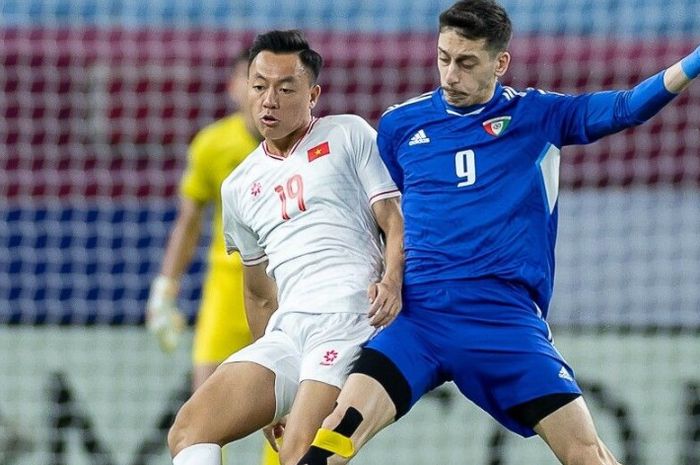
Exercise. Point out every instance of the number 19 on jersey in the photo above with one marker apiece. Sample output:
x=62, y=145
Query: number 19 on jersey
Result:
x=295, y=189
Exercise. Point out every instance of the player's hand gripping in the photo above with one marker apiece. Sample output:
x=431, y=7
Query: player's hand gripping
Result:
x=385, y=302
x=274, y=432
x=163, y=319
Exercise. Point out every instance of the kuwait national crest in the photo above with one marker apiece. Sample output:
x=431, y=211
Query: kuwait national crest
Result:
x=496, y=126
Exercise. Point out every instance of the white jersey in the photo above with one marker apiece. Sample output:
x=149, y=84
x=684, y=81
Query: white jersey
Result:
x=309, y=215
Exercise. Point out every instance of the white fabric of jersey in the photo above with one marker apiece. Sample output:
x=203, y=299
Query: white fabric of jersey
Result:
x=311, y=217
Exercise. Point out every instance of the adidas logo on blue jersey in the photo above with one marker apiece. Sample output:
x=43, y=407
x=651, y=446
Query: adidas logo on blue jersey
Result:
x=564, y=374
x=419, y=138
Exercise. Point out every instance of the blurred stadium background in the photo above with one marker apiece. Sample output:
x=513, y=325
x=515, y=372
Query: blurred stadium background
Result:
x=99, y=100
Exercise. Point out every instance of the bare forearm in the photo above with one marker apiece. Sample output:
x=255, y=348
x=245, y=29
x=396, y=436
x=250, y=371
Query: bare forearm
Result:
x=258, y=312
x=675, y=80
x=385, y=296
x=393, y=252
x=183, y=240
x=387, y=212
x=260, y=292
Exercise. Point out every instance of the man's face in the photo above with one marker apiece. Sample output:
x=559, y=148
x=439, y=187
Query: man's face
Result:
x=468, y=71
x=280, y=94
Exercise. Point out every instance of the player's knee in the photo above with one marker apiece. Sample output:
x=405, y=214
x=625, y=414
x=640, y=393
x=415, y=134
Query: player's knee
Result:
x=179, y=435
x=176, y=439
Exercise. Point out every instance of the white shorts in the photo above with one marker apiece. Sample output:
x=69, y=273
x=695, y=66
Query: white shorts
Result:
x=299, y=346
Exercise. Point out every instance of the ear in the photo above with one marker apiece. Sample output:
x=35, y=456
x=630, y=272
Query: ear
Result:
x=315, y=94
x=502, y=63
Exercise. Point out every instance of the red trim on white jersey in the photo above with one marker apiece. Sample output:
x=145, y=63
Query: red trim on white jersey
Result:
x=294, y=147
x=250, y=261
x=254, y=260
x=384, y=195
x=271, y=155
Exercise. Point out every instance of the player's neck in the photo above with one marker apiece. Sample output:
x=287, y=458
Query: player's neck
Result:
x=479, y=103
x=284, y=146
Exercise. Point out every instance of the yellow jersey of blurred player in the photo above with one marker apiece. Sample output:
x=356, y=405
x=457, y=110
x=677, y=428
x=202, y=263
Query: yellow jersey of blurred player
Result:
x=221, y=326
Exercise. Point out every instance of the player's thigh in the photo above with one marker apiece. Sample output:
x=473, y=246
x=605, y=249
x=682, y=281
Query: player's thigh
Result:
x=570, y=433
x=221, y=327
x=279, y=353
x=236, y=400
x=314, y=402
x=402, y=359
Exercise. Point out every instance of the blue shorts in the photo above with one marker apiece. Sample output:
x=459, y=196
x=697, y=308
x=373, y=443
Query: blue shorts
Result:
x=487, y=336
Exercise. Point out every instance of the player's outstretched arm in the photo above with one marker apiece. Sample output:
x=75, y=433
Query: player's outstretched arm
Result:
x=385, y=296
x=162, y=316
x=678, y=76
x=609, y=112
x=260, y=293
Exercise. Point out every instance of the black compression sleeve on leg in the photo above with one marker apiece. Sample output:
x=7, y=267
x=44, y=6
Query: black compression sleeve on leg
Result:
x=530, y=413
x=378, y=366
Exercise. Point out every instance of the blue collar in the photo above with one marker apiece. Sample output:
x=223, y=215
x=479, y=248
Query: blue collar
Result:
x=470, y=110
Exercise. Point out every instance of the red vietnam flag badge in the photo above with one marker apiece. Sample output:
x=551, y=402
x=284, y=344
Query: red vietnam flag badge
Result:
x=318, y=151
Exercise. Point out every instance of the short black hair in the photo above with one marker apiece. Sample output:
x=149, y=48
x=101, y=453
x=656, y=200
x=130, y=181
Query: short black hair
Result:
x=479, y=19
x=290, y=41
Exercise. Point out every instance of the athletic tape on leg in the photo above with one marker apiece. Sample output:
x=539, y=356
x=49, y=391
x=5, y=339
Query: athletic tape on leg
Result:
x=338, y=441
x=327, y=442
x=334, y=442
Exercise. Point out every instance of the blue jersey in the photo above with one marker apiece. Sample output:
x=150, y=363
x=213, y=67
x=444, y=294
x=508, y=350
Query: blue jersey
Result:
x=480, y=184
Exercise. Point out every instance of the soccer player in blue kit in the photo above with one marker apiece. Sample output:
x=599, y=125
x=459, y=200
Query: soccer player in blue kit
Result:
x=477, y=163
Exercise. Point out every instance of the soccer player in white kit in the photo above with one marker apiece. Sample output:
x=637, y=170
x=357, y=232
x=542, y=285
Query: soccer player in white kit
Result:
x=305, y=211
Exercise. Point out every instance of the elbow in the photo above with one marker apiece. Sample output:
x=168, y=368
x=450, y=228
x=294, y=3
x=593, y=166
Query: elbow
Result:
x=625, y=114
x=254, y=300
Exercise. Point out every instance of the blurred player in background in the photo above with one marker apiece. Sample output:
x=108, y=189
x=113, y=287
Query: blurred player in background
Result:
x=478, y=166
x=305, y=211
x=221, y=326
